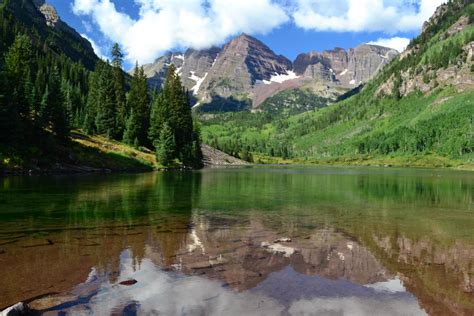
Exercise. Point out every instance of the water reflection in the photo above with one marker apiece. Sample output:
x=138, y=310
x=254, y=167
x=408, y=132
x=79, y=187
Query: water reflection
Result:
x=265, y=241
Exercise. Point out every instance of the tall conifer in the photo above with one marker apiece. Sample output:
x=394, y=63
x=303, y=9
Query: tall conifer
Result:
x=138, y=122
x=119, y=86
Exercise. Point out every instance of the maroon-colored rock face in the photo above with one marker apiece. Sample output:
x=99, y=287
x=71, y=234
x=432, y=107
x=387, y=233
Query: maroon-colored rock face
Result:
x=247, y=68
x=347, y=68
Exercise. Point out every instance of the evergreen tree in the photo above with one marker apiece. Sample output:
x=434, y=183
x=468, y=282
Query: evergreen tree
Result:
x=92, y=104
x=17, y=67
x=157, y=117
x=58, y=113
x=166, y=146
x=137, y=129
x=172, y=107
x=119, y=87
x=106, y=113
x=9, y=117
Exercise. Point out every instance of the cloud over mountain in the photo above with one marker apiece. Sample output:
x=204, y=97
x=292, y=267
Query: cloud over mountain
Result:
x=388, y=16
x=168, y=24
x=162, y=25
x=398, y=43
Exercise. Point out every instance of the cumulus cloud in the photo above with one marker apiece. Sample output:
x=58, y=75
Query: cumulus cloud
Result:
x=388, y=16
x=398, y=43
x=166, y=24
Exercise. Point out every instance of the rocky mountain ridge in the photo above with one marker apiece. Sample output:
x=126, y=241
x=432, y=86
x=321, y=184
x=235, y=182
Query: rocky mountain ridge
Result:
x=44, y=19
x=247, y=69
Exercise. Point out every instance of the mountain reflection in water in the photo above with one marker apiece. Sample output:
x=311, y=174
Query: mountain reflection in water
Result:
x=335, y=241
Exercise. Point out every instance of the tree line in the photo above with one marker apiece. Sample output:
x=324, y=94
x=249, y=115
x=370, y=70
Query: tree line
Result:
x=44, y=95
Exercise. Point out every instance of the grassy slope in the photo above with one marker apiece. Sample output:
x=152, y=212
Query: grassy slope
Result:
x=446, y=115
x=83, y=154
x=418, y=130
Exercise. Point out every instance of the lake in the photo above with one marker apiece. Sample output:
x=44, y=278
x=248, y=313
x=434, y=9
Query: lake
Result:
x=241, y=241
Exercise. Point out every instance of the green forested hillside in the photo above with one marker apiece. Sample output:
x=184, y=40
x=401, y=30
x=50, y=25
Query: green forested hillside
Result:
x=52, y=84
x=386, y=123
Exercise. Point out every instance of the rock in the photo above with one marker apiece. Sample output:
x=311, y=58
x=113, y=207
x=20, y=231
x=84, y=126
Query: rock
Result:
x=128, y=282
x=51, y=301
x=278, y=248
x=242, y=63
x=214, y=157
x=50, y=15
x=199, y=265
x=244, y=67
x=348, y=68
x=18, y=309
x=284, y=239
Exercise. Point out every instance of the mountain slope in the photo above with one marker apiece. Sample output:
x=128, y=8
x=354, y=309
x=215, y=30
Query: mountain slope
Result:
x=42, y=20
x=245, y=72
x=419, y=110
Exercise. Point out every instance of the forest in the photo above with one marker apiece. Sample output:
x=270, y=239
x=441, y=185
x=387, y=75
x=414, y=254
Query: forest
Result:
x=44, y=95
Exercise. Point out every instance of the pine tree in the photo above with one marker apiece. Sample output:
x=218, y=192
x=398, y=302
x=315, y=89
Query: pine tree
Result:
x=9, y=117
x=17, y=67
x=157, y=117
x=58, y=112
x=119, y=86
x=172, y=107
x=106, y=122
x=166, y=146
x=92, y=104
x=138, y=103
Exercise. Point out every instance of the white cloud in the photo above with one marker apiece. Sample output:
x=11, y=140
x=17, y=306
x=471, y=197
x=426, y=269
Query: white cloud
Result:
x=166, y=24
x=97, y=48
x=398, y=43
x=388, y=16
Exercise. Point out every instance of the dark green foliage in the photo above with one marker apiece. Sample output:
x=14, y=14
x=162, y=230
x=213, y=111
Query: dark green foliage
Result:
x=172, y=108
x=219, y=104
x=293, y=101
x=9, y=117
x=56, y=115
x=136, y=132
x=166, y=146
x=43, y=89
x=47, y=87
x=369, y=124
x=106, y=122
x=119, y=90
x=92, y=104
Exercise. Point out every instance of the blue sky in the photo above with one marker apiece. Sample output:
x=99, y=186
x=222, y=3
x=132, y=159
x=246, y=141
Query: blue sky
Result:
x=148, y=28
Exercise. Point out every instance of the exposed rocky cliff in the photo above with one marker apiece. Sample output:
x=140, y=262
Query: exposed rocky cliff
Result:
x=243, y=63
x=441, y=56
x=348, y=68
x=246, y=69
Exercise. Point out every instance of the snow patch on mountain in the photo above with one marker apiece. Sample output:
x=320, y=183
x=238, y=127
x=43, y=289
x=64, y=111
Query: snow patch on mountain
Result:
x=198, y=80
x=215, y=60
x=280, y=78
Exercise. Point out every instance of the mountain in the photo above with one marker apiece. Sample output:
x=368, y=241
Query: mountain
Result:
x=418, y=110
x=42, y=19
x=349, y=68
x=246, y=72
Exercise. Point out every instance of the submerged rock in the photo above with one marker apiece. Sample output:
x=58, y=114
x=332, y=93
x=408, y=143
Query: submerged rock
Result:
x=51, y=301
x=284, y=239
x=128, y=282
